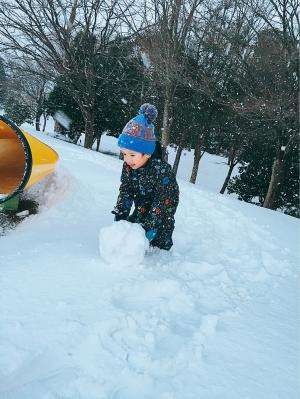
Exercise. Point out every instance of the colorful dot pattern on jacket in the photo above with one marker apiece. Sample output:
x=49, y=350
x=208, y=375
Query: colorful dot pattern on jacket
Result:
x=154, y=192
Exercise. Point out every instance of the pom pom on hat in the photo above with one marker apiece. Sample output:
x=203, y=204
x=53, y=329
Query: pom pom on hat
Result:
x=150, y=112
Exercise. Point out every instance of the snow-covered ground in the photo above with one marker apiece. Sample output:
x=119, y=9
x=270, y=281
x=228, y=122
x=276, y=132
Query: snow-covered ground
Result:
x=216, y=317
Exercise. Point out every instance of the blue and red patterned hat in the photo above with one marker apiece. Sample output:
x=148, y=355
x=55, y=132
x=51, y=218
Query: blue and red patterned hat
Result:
x=138, y=134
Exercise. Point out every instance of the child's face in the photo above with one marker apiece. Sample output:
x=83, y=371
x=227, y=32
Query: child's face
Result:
x=134, y=159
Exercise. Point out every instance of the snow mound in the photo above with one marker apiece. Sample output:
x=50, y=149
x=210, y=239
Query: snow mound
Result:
x=123, y=244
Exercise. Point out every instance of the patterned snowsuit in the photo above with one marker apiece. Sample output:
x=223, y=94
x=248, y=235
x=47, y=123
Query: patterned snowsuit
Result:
x=154, y=191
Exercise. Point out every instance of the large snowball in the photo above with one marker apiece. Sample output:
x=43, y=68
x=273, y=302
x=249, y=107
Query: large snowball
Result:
x=123, y=244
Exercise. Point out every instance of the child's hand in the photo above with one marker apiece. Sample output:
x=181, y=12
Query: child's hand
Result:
x=150, y=234
x=117, y=218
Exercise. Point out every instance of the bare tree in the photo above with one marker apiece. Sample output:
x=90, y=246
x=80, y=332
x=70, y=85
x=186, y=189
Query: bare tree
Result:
x=235, y=149
x=278, y=170
x=272, y=83
x=182, y=143
x=169, y=26
x=281, y=20
x=220, y=40
x=62, y=38
x=198, y=154
x=27, y=81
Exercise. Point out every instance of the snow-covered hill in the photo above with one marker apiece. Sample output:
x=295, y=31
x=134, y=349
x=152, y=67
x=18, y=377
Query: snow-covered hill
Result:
x=217, y=317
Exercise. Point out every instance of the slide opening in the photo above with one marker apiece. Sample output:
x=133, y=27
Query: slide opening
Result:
x=15, y=160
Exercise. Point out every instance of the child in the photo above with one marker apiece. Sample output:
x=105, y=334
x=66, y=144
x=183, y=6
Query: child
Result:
x=147, y=181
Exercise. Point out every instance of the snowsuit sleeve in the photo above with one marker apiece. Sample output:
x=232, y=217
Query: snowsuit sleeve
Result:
x=165, y=199
x=125, y=198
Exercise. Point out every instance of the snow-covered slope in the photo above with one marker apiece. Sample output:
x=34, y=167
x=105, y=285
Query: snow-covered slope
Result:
x=217, y=317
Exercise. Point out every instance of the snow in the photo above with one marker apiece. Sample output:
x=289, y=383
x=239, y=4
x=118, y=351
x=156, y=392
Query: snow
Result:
x=146, y=60
x=63, y=119
x=227, y=49
x=23, y=213
x=115, y=244
x=216, y=317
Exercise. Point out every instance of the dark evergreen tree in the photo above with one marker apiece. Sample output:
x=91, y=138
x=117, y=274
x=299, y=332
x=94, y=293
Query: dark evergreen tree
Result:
x=253, y=180
x=270, y=173
x=60, y=100
x=119, y=86
x=118, y=90
x=17, y=110
x=189, y=128
x=3, y=83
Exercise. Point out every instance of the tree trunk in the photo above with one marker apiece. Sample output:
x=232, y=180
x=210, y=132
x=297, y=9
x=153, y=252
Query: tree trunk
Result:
x=57, y=127
x=89, y=128
x=40, y=106
x=45, y=121
x=181, y=145
x=177, y=159
x=165, y=139
x=37, y=122
x=275, y=185
x=197, y=157
x=98, y=143
x=225, y=184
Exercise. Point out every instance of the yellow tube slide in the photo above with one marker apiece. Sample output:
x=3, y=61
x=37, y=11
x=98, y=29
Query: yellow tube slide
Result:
x=24, y=160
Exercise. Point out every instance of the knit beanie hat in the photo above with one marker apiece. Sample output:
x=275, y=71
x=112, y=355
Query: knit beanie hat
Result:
x=138, y=134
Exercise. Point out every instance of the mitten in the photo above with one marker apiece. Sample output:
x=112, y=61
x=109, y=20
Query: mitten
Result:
x=119, y=217
x=150, y=234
